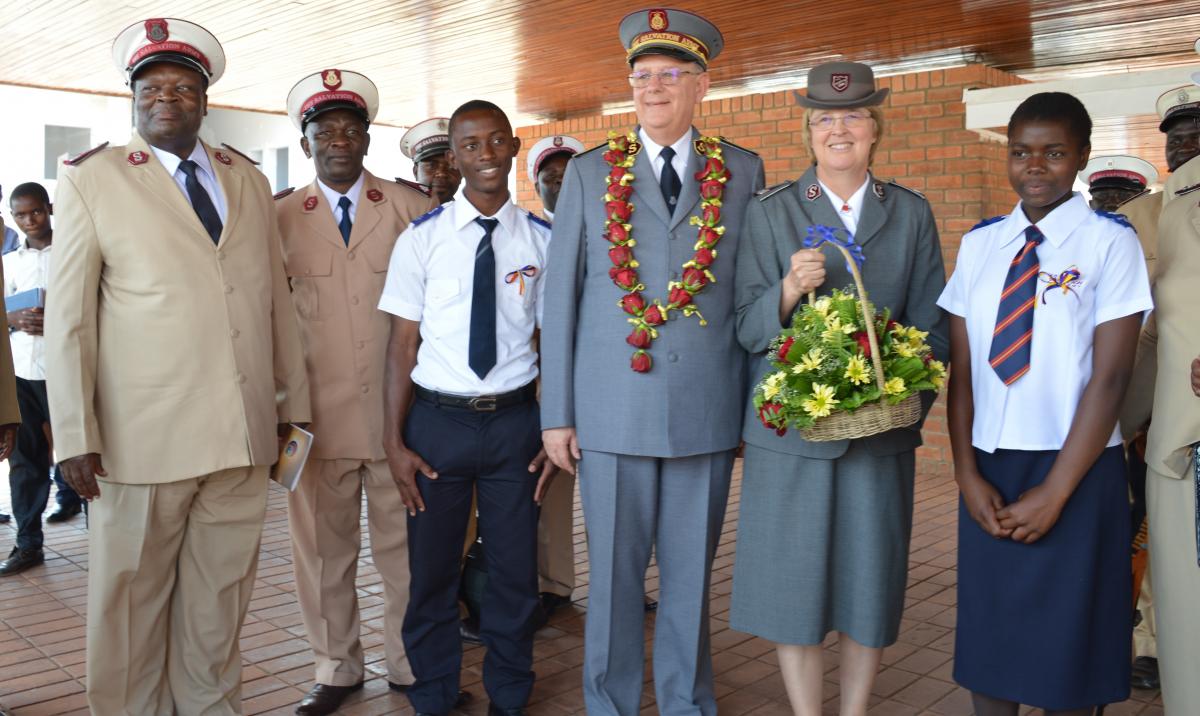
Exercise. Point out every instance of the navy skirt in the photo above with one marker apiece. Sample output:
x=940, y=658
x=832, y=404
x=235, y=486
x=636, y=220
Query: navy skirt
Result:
x=1048, y=624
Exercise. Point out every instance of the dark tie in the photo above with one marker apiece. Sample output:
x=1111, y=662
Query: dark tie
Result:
x=1012, y=341
x=481, y=353
x=668, y=181
x=201, y=201
x=344, y=224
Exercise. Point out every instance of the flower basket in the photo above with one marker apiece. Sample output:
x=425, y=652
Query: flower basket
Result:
x=842, y=371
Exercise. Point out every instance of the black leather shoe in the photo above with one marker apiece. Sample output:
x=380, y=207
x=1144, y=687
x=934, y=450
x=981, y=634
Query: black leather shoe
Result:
x=552, y=602
x=399, y=688
x=463, y=699
x=5, y=518
x=20, y=560
x=1145, y=674
x=325, y=699
x=62, y=514
x=651, y=604
x=469, y=632
x=494, y=710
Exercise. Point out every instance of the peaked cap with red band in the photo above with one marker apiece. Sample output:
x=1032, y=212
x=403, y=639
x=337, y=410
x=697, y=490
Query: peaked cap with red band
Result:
x=1119, y=171
x=332, y=89
x=426, y=138
x=675, y=33
x=547, y=147
x=168, y=39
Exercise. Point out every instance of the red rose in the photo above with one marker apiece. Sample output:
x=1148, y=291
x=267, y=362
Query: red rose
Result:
x=633, y=303
x=864, y=342
x=614, y=177
x=679, y=297
x=620, y=255
x=613, y=156
x=708, y=236
x=654, y=316
x=711, y=189
x=694, y=279
x=769, y=414
x=714, y=167
x=712, y=214
x=639, y=338
x=704, y=257
x=890, y=325
x=617, y=233
x=640, y=362
x=620, y=192
x=621, y=143
x=618, y=210
x=784, y=348
x=626, y=278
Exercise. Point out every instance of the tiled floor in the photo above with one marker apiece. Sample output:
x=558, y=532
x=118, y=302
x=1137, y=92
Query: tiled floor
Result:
x=42, y=632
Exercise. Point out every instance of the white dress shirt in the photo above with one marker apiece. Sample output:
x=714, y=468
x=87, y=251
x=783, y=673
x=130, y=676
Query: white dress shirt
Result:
x=24, y=269
x=430, y=279
x=1036, y=411
x=848, y=210
x=352, y=194
x=204, y=175
x=653, y=150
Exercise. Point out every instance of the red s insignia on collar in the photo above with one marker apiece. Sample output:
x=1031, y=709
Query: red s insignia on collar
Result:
x=375, y=195
x=136, y=158
x=223, y=158
x=310, y=203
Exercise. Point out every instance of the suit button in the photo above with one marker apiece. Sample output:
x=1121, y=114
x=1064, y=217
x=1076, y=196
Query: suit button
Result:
x=350, y=255
x=354, y=300
x=241, y=377
x=365, y=389
x=673, y=357
x=233, y=333
x=229, y=289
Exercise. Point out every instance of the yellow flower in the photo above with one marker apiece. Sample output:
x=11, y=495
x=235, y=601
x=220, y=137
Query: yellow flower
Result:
x=772, y=385
x=811, y=360
x=894, y=386
x=904, y=350
x=822, y=305
x=822, y=401
x=856, y=370
x=938, y=376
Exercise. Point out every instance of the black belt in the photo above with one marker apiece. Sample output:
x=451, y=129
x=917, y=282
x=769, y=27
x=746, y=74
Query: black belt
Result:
x=478, y=403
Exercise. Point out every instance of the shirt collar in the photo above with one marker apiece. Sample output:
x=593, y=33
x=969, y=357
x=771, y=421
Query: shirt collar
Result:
x=465, y=212
x=654, y=148
x=172, y=161
x=332, y=195
x=24, y=246
x=1055, y=226
x=856, y=199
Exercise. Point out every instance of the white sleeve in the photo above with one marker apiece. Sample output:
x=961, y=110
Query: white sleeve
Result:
x=1123, y=288
x=404, y=289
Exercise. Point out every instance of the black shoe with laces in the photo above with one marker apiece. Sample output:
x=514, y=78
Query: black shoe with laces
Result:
x=20, y=560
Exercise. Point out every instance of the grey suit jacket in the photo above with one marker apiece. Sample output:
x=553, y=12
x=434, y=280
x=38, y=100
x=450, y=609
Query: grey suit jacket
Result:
x=903, y=271
x=690, y=402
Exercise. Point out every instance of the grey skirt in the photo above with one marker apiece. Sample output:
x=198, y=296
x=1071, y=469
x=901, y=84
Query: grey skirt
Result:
x=822, y=546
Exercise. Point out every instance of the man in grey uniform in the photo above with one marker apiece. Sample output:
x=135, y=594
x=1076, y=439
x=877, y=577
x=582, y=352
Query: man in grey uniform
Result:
x=651, y=415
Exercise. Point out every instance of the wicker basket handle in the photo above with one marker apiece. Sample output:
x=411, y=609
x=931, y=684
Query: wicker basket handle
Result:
x=868, y=314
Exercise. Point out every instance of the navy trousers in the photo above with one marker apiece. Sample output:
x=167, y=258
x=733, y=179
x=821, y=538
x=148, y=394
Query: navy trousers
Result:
x=30, y=465
x=489, y=453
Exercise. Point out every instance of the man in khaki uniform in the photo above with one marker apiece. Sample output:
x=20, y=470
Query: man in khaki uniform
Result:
x=338, y=234
x=175, y=363
x=1179, y=110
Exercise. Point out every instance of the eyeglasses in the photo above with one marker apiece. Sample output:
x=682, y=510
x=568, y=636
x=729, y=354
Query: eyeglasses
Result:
x=852, y=120
x=668, y=78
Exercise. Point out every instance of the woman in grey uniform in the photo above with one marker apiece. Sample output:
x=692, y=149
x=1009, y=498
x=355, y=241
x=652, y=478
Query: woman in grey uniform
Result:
x=824, y=526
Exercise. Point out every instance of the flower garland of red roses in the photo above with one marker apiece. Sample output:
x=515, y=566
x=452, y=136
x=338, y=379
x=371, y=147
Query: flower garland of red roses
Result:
x=622, y=151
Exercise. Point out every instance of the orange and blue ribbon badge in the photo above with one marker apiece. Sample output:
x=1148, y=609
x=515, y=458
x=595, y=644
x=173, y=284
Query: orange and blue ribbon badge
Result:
x=1068, y=281
x=519, y=275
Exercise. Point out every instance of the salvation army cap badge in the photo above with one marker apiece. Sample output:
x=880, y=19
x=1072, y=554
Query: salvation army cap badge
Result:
x=839, y=81
x=332, y=79
x=658, y=20
x=156, y=30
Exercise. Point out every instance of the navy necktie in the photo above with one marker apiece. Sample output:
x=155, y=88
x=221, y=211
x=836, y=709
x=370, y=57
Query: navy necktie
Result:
x=201, y=202
x=344, y=224
x=481, y=352
x=1012, y=340
x=668, y=180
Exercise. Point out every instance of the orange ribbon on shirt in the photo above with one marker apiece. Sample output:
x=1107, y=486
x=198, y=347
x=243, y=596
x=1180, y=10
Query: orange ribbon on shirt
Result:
x=519, y=276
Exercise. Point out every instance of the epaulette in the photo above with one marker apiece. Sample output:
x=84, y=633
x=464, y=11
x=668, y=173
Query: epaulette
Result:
x=1115, y=217
x=764, y=194
x=285, y=192
x=988, y=222
x=538, y=220
x=1187, y=190
x=898, y=185
x=1138, y=195
x=751, y=152
x=239, y=153
x=603, y=145
x=428, y=215
x=414, y=185
x=79, y=158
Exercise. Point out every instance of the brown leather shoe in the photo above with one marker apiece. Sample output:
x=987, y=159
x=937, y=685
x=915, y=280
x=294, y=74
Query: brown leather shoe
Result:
x=325, y=699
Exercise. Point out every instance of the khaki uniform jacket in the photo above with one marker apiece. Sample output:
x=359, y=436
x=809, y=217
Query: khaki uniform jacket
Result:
x=1143, y=211
x=336, y=289
x=10, y=412
x=168, y=355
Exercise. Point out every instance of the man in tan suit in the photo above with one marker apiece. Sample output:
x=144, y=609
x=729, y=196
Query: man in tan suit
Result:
x=338, y=235
x=1179, y=111
x=175, y=363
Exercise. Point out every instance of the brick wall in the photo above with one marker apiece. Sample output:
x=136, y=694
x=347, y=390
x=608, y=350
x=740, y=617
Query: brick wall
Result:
x=925, y=147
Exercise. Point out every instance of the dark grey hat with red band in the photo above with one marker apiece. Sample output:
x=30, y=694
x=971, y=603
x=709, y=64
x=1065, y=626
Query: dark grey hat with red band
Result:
x=667, y=31
x=841, y=85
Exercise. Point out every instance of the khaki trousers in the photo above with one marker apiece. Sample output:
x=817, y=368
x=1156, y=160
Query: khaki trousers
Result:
x=1172, y=508
x=171, y=572
x=1144, y=640
x=324, y=516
